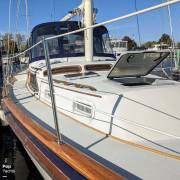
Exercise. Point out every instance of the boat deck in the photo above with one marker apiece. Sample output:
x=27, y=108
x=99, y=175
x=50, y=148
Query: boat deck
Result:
x=128, y=160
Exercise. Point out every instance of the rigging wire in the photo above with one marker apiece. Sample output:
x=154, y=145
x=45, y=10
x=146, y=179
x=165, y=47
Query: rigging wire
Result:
x=54, y=10
x=172, y=35
x=104, y=23
x=137, y=21
x=8, y=43
x=161, y=19
x=163, y=71
x=9, y=26
x=171, y=26
x=27, y=18
x=16, y=24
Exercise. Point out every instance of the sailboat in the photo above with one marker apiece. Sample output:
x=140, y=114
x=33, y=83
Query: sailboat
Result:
x=80, y=114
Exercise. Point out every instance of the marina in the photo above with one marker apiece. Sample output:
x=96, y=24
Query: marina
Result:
x=82, y=105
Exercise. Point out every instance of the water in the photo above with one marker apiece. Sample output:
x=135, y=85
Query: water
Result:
x=14, y=161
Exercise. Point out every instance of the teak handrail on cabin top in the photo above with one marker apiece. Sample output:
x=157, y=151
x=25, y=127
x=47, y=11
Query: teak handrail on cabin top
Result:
x=65, y=69
x=77, y=85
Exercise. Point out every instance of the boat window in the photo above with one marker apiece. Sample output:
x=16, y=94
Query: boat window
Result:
x=66, y=46
x=71, y=45
x=106, y=43
x=98, y=67
x=102, y=44
x=45, y=32
x=64, y=70
x=137, y=64
x=53, y=47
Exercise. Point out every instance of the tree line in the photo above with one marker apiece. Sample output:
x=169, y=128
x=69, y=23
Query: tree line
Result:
x=164, y=39
x=17, y=43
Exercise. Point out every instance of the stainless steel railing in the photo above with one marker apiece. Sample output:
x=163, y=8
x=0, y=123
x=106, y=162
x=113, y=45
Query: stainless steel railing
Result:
x=7, y=73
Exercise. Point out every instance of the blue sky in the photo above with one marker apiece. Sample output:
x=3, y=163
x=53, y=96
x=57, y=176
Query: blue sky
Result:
x=152, y=24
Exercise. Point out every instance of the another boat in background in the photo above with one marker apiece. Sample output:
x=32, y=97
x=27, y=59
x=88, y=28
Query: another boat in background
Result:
x=158, y=47
x=119, y=46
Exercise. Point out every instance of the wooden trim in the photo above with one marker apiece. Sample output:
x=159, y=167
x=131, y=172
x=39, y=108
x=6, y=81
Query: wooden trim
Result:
x=47, y=165
x=97, y=67
x=65, y=69
x=77, y=85
x=146, y=148
x=89, y=94
x=83, y=164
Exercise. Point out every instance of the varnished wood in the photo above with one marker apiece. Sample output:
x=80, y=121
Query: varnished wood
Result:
x=77, y=85
x=73, y=90
x=76, y=159
x=97, y=67
x=47, y=165
x=146, y=148
x=65, y=69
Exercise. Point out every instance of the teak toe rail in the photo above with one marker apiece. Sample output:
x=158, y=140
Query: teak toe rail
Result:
x=76, y=159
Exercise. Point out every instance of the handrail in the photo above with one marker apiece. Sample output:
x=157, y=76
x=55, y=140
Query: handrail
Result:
x=104, y=23
x=51, y=88
x=114, y=116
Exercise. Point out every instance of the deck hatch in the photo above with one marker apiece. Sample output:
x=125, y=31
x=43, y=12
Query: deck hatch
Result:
x=136, y=64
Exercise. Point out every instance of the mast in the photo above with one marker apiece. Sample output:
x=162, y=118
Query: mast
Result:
x=88, y=34
x=86, y=9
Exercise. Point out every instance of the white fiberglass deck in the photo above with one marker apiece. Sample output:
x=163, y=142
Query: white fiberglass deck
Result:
x=128, y=160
